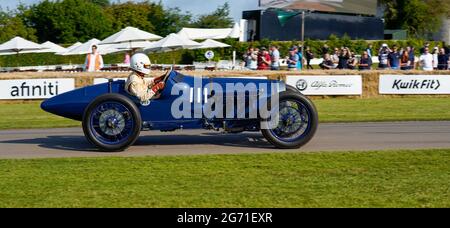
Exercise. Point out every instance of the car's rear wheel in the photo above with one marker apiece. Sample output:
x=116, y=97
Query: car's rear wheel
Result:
x=112, y=122
x=298, y=122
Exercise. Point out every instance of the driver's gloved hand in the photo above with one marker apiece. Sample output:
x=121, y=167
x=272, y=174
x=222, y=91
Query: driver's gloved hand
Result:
x=145, y=103
x=158, y=87
x=158, y=79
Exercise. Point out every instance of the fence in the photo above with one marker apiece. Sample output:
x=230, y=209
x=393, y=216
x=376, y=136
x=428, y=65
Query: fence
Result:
x=359, y=84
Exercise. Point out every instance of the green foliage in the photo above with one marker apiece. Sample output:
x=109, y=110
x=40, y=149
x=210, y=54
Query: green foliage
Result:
x=170, y=21
x=133, y=14
x=418, y=17
x=68, y=21
x=218, y=19
x=102, y=3
x=12, y=26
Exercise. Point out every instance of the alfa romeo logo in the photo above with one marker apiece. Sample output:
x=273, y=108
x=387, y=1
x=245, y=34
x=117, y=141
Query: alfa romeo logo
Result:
x=302, y=85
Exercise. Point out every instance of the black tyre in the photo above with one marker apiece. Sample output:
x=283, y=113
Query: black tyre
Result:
x=290, y=88
x=298, y=122
x=112, y=122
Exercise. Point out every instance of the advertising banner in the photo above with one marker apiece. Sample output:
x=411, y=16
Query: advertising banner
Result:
x=34, y=88
x=327, y=85
x=414, y=84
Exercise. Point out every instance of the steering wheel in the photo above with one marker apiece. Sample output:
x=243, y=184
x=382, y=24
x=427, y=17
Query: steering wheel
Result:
x=165, y=80
x=158, y=94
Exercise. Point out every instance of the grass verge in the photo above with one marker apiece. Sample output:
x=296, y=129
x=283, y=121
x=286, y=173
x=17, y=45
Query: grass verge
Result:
x=29, y=115
x=358, y=179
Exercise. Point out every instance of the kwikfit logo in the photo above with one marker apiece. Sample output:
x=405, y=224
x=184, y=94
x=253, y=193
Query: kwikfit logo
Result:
x=416, y=84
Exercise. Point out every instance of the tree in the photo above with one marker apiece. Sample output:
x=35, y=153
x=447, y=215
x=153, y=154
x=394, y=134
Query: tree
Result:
x=218, y=19
x=148, y=16
x=67, y=21
x=102, y=3
x=171, y=21
x=131, y=14
x=12, y=26
x=419, y=17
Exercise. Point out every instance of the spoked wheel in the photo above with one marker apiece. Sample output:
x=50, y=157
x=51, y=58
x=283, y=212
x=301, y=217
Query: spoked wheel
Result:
x=112, y=122
x=298, y=122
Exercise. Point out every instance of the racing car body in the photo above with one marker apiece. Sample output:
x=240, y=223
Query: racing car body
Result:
x=113, y=119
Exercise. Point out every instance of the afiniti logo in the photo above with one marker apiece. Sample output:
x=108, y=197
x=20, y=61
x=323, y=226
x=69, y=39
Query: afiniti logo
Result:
x=416, y=84
x=35, y=88
x=230, y=101
x=44, y=89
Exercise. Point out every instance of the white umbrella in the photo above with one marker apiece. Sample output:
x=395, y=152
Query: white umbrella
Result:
x=172, y=42
x=50, y=47
x=19, y=45
x=73, y=46
x=134, y=45
x=86, y=48
x=132, y=36
x=47, y=47
x=211, y=44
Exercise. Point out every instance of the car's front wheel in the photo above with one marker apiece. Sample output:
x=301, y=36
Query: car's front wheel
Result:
x=112, y=122
x=297, y=122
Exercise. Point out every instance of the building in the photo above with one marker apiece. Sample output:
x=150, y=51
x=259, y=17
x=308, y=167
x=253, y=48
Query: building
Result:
x=282, y=20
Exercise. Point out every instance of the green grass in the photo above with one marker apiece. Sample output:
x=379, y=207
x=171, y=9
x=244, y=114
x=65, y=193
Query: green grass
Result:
x=360, y=179
x=29, y=115
x=384, y=109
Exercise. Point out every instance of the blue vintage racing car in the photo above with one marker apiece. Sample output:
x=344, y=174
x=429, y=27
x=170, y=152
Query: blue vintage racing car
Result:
x=113, y=119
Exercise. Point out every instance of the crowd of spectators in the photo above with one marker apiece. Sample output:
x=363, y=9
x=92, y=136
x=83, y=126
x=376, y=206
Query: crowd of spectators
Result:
x=393, y=58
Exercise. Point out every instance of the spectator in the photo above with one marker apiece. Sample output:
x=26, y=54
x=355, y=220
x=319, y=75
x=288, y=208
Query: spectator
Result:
x=325, y=49
x=412, y=57
x=443, y=60
x=383, y=57
x=292, y=60
x=446, y=48
x=405, y=61
x=327, y=63
x=369, y=50
x=365, y=63
x=300, y=57
x=275, y=58
x=422, y=50
x=335, y=58
x=251, y=59
x=94, y=61
x=264, y=61
x=394, y=58
x=309, y=56
x=344, y=57
x=435, y=57
x=352, y=62
x=426, y=60
x=127, y=59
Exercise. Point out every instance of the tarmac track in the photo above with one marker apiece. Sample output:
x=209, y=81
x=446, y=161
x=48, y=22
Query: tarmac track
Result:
x=70, y=142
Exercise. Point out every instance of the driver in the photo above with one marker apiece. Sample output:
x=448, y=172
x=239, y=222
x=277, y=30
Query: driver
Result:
x=137, y=85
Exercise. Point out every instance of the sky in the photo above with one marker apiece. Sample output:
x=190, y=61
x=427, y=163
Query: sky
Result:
x=196, y=7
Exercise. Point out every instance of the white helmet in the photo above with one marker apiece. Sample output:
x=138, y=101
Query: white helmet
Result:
x=140, y=63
